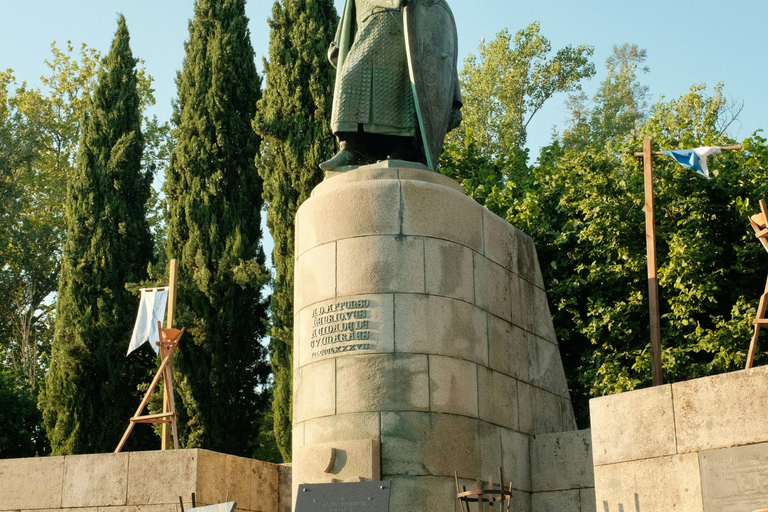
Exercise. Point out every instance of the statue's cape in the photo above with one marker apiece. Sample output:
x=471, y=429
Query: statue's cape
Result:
x=433, y=48
x=345, y=34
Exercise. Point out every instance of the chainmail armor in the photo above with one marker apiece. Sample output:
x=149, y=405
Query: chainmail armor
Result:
x=374, y=88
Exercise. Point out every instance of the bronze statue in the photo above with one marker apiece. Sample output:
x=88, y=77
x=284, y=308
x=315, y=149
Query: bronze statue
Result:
x=397, y=90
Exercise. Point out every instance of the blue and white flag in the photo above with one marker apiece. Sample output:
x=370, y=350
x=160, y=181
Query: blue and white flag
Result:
x=695, y=159
x=151, y=309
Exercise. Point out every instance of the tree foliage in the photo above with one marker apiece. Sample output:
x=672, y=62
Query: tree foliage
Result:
x=91, y=387
x=21, y=426
x=510, y=82
x=585, y=213
x=214, y=202
x=292, y=120
x=618, y=106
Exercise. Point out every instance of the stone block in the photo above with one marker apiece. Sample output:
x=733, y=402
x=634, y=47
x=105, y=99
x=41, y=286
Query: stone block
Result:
x=18, y=476
x=322, y=326
x=371, y=172
x=316, y=271
x=453, y=386
x=546, y=367
x=95, y=480
x=516, y=459
x=350, y=461
x=448, y=270
x=499, y=241
x=407, y=173
x=165, y=507
x=314, y=392
x=342, y=427
x=521, y=303
x=489, y=438
x=161, y=476
x=267, y=492
x=284, y=490
x=426, y=493
x=492, y=287
x=562, y=460
x=587, y=497
x=238, y=485
x=556, y=501
x=419, y=443
x=542, y=318
x=348, y=210
x=497, y=397
x=440, y=326
x=212, y=482
x=551, y=413
x=635, y=425
x=734, y=478
x=436, y=211
x=508, y=349
x=527, y=259
x=388, y=382
x=297, y=435
x=721, y=411
x=380, y=264
x=660, y=484
x=525, y=407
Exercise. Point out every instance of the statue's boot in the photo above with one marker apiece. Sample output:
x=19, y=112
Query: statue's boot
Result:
x=346, y=156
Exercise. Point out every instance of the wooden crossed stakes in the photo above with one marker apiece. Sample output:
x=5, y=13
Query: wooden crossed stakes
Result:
x=488, y=496
x=759, y=223
x=169, y=341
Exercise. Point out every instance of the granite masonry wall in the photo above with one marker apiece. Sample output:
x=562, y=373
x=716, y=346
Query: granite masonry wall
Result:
x=694, y=446
x=423, y=342
x=142, y=482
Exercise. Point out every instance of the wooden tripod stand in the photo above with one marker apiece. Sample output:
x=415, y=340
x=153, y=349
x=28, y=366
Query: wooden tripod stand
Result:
x=759, y=223
x=169, y=341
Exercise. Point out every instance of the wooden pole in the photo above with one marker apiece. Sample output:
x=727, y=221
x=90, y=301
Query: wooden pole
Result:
x=174, y=270
x=653, y=281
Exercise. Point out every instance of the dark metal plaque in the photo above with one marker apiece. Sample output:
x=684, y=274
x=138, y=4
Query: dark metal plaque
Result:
x=735, y=479
x=344, y=497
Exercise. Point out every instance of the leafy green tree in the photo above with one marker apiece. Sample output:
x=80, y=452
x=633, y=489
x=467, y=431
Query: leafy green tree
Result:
x=585, y=213
x=39, y=136
x=292, y=120
x=21, y=425
x=510, y=82
x=92, y=388
x=214, y=201
x=618, y=107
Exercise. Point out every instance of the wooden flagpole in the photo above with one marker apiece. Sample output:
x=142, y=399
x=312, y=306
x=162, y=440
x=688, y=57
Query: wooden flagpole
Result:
x=653, y=281
x=650, y=244
x=165, y=442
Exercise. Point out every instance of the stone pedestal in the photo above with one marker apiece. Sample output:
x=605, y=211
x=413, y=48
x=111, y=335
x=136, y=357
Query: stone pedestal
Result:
x=423, y=340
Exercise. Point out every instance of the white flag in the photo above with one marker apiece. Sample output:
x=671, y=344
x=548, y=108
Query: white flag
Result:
x=151, y=309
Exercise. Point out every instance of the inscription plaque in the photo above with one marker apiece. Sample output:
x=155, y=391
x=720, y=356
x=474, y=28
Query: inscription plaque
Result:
x=342, y=326
x=343, y=497
x=735, y=479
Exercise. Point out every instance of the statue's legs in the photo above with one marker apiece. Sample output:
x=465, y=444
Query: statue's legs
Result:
x=361, y=148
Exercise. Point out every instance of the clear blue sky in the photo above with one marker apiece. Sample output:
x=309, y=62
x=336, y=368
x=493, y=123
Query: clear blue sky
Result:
x=687, y=42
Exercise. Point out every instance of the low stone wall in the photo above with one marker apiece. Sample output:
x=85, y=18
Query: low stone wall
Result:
x=652, y=446
x=142, y=482
x=562, y=476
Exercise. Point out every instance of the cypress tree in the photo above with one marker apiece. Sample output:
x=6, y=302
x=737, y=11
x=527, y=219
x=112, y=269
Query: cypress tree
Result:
x=293, y=119
x=214, y=201
x=91, y=386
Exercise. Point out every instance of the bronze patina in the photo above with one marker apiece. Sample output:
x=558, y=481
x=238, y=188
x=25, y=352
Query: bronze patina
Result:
x=382, y=107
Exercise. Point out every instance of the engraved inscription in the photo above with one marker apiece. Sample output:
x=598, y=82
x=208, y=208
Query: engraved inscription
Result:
x=735, y=478
x=339, y=327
